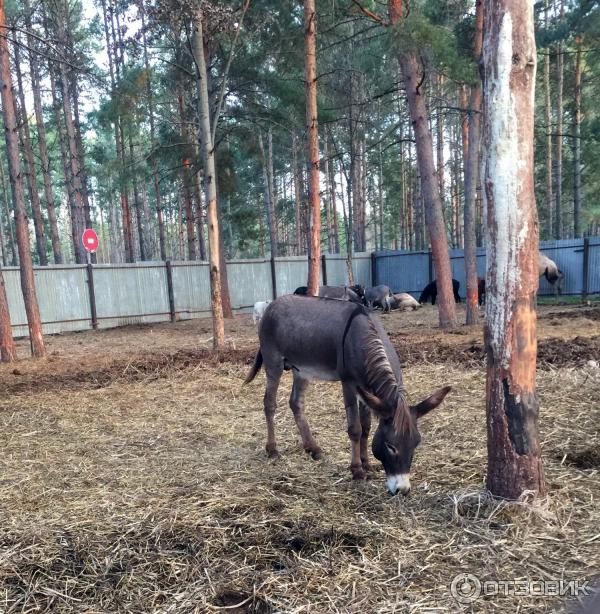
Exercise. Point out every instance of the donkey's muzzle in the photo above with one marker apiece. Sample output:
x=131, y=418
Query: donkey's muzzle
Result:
x=399, y=484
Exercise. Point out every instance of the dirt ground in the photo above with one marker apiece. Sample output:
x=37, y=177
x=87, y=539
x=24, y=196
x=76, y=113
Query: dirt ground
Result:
x=133, y=479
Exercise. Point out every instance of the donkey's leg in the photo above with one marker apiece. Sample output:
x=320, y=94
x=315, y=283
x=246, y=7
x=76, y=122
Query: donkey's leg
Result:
x=297, y=406
x=273, y=378
x=365, y=424
x=354, y=431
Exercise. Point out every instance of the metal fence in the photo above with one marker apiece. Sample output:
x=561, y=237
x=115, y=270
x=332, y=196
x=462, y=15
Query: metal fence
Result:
x=79, y=297
x=578, y=259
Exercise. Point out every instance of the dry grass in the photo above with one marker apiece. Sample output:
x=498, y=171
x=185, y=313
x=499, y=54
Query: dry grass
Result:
x=152, y=494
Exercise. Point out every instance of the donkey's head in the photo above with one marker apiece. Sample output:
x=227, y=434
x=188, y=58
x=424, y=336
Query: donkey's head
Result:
x=397, y=437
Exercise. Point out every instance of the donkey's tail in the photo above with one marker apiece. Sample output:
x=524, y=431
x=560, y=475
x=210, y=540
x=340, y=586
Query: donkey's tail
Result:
x=258, y=360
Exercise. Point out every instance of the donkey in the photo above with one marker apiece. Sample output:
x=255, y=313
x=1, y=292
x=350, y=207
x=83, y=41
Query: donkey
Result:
x=337, y=341
x=430, y=291
x=551, y=272
x=343, y=293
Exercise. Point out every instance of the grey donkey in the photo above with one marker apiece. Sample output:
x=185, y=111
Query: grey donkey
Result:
x=334, y=340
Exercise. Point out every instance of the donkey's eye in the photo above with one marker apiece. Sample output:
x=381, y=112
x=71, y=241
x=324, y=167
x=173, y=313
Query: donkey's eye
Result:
x=391, y=449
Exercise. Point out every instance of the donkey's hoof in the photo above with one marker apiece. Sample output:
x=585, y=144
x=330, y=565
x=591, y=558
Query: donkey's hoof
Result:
x=357, y=473
x=367, y=468
x=273, y=453
x=316, y=454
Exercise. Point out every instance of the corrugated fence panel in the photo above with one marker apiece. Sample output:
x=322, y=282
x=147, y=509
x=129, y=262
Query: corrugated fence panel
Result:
x=249, y=281
x=131, y=294
x=568, y=255
x=191, y=287
x=337, y=272
x=62, y=295
x=594, y=266
x=290, y=273
x=403, y=271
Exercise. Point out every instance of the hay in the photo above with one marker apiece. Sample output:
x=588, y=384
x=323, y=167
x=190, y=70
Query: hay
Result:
x=150, y=492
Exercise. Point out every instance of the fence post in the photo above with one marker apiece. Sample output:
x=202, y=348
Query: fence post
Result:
x=324, y=268
x=92, y=294
x=430, y=265
x=170, y=290
x=586, y=269
x=273, y=278
x=373, y=269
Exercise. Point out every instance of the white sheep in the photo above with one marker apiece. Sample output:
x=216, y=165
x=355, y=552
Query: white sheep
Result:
x=404, y=301
x=259, y=311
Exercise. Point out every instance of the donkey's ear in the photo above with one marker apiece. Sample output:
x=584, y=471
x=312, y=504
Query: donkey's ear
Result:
x=424, y=407
x=375, y=403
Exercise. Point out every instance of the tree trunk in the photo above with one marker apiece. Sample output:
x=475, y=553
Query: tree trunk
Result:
x=210, y=182
x=577, y=145
x=312, y=151
x=199, y=216
x=559, y=130
x=30, y=166
x=41, y=133
x=76, y=191
x=11, y=133
x=440, y=140
x=11, y=237
x=548, y=122
x=186, y=176
x=432, y=202
x=119, y=143
x=268, y=199
x=8, y=348
x=153, y=144
x=334, y=237
x=471, y=177
x=297, y=196
x=509, y=59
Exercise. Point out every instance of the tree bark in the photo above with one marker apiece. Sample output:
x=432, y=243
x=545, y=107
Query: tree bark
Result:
x=509, y=60
x=186, y=176
x=8, y=348
x=11, y=133
x=210, y=182
x=558, y=229
x=30, y=165
x=548, y=122
x=472, y=176
x=314, y=197
x=440, y=140
x=577, y=145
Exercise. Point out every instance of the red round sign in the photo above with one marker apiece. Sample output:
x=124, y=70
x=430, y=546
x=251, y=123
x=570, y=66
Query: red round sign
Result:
x=90, y=240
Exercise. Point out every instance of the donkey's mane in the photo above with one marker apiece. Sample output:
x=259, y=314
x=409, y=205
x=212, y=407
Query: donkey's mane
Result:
x=382, y=381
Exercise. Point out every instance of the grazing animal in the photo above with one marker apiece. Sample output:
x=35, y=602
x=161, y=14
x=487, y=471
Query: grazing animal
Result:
x=359, y=290
x=551, y=272
x=404, y=302
x=430, y=292
x=379, y=296
x=259, y=310
x=481, y=290
x=343, y=293
x=338, y=341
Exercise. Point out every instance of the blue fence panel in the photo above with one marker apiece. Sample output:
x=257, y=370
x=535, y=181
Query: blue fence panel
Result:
x=409, y=271
x=402, y=271
x=594, y=266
